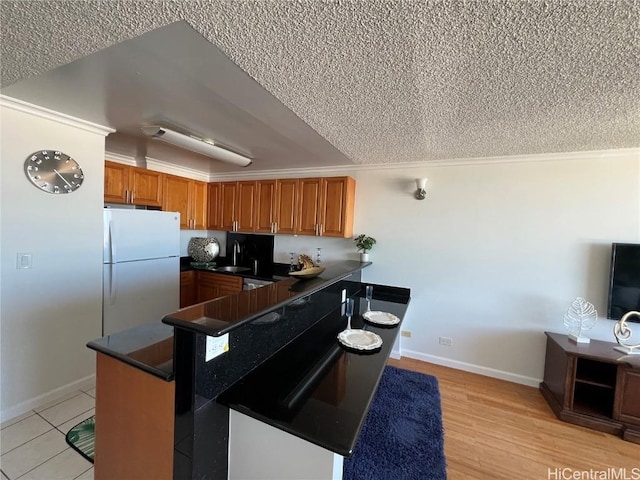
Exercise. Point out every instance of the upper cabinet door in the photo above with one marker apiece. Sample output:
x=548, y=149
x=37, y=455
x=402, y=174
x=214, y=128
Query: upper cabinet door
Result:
x=146, y=186
x=199, y=205
x=337, y=201
x=245, y=206
x=265, y=206
x=116, y=182
x=228, y=194
x=309, y=196
x=176, y=198
x=286, y=205
x=214, y=221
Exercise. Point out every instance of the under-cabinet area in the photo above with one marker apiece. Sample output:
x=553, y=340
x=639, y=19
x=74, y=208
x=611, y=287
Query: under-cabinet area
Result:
x=593, y=385
x=318, y=206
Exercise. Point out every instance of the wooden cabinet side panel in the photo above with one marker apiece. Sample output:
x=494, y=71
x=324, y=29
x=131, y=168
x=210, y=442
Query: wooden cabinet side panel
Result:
x=146, y=186
x=556, y=365
x=309, y=196
x=265, y=205
x=214, y=213
x=176, y=198
x=199, y=205
x=286, y=205
x=246, y=201
x=116, y=182
x=134, y=423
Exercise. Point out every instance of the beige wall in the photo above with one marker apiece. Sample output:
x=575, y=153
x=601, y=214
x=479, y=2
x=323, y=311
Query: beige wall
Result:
x=49, y=312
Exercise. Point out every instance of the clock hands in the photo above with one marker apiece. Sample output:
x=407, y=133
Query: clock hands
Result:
x=63, y=179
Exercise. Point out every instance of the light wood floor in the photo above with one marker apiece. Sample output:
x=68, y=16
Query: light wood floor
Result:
x=501, y=430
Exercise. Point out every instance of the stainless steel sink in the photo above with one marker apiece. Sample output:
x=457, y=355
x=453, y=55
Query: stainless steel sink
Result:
x=233, y=269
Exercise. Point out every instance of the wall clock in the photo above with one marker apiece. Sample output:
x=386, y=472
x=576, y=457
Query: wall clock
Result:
x=53, y=171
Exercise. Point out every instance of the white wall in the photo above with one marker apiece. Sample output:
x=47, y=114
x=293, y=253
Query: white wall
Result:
x=49, y=312
x=496, y=253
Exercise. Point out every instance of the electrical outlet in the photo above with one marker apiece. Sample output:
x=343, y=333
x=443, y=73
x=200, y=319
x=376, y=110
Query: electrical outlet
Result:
x=405, y=333
x=446, y=341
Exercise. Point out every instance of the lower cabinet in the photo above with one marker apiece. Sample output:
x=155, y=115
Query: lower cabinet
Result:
x=199, y=286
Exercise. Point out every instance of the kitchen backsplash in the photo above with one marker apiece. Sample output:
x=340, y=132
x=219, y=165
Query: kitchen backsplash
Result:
x=333, y=249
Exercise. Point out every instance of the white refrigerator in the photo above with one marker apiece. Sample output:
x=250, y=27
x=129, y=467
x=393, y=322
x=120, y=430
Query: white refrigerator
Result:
x=141, y=267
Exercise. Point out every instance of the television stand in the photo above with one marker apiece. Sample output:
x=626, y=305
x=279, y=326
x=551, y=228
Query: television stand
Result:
x=592, y=385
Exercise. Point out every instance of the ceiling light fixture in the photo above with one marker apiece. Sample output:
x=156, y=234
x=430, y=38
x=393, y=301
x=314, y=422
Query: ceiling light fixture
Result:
x=197, y=145
x=421, y=192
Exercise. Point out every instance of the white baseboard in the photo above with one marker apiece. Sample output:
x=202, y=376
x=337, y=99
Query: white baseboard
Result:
x=397, y=354
x=33, y=403
x=469, y=367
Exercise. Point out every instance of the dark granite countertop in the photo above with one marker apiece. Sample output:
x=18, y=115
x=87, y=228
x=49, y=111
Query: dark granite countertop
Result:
x=148, y=347
x=222, y=315
x=272, y=272
x=316, y=389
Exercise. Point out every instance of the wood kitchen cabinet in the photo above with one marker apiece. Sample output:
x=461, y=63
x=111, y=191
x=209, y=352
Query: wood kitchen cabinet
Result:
x=276, y=205
x=132, y=185
x=214, y=214
x=213, y=285
x=235, y=204
x=187, y=288
x=326, y=206
x=265, y=206
x=189, y=197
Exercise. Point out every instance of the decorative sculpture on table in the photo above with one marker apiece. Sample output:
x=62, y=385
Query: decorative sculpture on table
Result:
x=580, y=317
x=623, y=333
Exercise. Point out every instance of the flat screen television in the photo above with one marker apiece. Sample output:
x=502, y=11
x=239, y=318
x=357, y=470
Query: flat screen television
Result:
x=624, y=281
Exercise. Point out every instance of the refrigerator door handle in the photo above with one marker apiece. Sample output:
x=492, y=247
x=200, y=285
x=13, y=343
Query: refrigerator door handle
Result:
x=112, y=243
x=112, y=282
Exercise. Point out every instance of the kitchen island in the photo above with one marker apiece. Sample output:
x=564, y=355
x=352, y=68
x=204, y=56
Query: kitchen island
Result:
x=271, y=356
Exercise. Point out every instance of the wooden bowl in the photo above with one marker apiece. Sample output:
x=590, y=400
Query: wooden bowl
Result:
x=308, y=272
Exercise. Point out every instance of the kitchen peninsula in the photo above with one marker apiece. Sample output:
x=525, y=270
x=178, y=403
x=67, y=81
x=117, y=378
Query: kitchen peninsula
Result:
x=260, y=364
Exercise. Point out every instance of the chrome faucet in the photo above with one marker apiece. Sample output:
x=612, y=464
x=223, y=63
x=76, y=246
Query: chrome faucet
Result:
x=236, y=251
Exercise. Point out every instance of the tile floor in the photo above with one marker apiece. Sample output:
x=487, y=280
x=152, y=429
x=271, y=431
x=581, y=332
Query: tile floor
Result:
x=33, y=446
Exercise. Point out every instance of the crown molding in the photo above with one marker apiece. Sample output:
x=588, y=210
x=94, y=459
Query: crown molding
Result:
x=539, y=157
x=172, y=169
x=20, y=106
x=116, y=157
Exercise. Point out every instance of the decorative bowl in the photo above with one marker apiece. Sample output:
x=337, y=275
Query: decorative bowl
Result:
x=203, y=249
x=308, y=272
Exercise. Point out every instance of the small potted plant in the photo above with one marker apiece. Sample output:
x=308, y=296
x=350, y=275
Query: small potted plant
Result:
x=364, y=244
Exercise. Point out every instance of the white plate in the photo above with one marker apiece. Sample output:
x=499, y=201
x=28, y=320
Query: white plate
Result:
x=360, y=339
x=381, y=318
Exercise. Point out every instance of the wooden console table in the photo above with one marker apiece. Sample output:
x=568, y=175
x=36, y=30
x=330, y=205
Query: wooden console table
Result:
x=593, y=385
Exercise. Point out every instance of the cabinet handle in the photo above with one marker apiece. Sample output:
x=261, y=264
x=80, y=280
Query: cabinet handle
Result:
x=133, y=194
x=320, y=230
x=126, y=196
x=316, y=229
x=275, y=227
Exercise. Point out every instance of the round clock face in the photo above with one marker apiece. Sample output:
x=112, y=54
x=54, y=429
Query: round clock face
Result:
x=53, y=171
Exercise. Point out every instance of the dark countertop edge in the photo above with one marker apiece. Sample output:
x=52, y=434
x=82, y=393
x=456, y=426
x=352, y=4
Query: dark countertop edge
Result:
x=195, y=327
x=387, y=349
x=156, y=372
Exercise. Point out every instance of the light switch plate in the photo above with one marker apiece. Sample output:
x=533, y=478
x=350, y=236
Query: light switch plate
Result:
x=216, y=346
x=23, y=261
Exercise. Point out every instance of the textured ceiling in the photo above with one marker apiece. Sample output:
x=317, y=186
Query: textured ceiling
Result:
x=394, y=81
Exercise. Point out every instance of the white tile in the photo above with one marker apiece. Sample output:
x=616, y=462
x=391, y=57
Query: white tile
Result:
x=66, y=465
x=65, y=427
x=21, y=432
x=91, y=391
x=28, y=456
x=17, y=419
x=88, y=475
x=65, y=411
x=58, y=400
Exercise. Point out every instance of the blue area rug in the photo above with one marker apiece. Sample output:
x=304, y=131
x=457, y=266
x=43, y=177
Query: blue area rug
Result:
x=402, y=436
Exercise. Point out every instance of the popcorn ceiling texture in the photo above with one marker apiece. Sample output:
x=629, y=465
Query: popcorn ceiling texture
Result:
x=391, y=81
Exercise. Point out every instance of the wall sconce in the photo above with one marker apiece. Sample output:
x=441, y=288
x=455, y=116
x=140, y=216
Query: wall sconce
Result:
x=421, y=192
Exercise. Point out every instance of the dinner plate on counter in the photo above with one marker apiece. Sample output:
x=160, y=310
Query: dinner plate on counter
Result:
x=381, y=318
x=360, y=339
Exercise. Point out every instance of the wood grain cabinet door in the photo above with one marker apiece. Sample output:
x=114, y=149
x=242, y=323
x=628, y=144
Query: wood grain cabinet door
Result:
x=228, y=194
x=176, y=198
x=265, y=206
x=116, y=182
x=214, y=213
x=146, y=186
x=629, y=395
x=309, y=196
x=206, y=287
x=337, y=202
x=199, y=205
x=245, y=207
x=187, y=288
x=286, y=205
